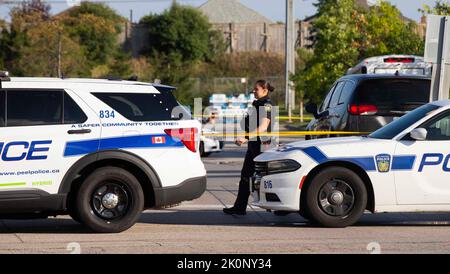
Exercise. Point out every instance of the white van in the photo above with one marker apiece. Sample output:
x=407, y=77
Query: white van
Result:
x=391, y=64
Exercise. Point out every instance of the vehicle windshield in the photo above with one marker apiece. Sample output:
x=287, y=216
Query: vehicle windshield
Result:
x=397, y=126
x=393, y=97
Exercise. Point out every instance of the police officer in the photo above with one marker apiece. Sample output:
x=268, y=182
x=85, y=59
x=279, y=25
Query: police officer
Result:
x=257, y=121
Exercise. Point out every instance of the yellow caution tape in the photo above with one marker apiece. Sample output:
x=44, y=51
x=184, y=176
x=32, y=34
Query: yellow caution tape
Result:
x=284, y=134
x=240, y=116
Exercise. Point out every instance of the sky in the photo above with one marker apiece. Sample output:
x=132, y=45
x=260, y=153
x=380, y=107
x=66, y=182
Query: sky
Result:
x=272, y=9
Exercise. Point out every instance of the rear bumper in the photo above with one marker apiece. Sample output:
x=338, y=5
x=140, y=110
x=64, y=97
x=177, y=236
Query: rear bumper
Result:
x=188, y=190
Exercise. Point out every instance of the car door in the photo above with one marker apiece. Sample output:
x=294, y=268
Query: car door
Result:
x=336, y=108
x=322, y=123
x=422, y=168
x=37, y=126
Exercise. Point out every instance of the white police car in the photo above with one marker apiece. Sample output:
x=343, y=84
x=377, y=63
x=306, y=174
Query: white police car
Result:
x=402, y=167
x=99, y=150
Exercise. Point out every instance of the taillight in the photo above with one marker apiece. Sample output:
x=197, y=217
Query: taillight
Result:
x=362, y=109
x=186, y=136
x=399, y=60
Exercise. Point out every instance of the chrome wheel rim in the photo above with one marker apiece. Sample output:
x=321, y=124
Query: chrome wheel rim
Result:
x=336, y=198
x=111, y=201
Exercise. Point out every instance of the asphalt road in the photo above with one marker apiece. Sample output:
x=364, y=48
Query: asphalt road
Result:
x=200, y=227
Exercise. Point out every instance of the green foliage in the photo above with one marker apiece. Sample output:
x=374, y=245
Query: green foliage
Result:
x=243, y=64
x=346, y=34
x=179, y=40
x=336, y=46
x=387, y=33
x=441, y=7
x=82, y=41
x=96, y=27
x=182, y=34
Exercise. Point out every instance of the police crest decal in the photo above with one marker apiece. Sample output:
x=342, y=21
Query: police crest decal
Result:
x=383, y=162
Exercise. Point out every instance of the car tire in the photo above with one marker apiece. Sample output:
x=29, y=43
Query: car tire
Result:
x=202, y=150
x=304, y=212
x=336, y=197
x=72, y=211
x=110, y=200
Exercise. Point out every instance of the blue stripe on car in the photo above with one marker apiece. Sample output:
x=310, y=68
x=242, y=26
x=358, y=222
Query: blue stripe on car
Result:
x=367, y=163
x=141, y=141
x=403, y=162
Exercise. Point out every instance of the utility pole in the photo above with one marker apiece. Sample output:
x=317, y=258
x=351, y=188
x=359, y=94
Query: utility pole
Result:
x=59, y=55
x=437, y=52
x=290, y=57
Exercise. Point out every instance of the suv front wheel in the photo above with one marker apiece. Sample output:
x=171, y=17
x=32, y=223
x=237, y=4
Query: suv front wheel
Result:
x=110, y=200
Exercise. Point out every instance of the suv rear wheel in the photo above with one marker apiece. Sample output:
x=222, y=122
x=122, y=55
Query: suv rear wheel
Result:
x=109, y=200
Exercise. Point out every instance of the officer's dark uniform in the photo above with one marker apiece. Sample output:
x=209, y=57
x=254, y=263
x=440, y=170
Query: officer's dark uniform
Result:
x=262, y=108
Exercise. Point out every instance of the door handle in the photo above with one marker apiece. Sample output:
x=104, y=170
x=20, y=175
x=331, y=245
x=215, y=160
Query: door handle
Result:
x=79, y=131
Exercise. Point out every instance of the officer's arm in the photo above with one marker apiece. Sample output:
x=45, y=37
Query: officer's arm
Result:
x=262, y=127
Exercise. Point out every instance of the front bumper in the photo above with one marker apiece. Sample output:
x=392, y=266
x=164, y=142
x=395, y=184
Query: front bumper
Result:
x=188, y=190
x=277, y=192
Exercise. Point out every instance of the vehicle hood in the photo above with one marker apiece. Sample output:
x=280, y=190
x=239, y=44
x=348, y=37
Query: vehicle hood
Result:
x=360, y=150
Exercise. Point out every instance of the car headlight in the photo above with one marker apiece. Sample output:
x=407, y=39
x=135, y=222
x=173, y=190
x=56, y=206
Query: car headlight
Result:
x=274, y=167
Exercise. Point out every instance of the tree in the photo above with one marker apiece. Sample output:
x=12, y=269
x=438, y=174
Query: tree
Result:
x=23, y=17
x=389, y=33
x=441, y=7
x=336, y=46
x=96, y=27
x=179, y=40
x=182, y=33
x=346, y=34
x=304, y=56
x=3, y=44
x=50, y=53
x=36, y=44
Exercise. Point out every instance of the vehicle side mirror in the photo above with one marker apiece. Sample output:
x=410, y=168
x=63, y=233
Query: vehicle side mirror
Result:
x=312, y=108
x=419, y=134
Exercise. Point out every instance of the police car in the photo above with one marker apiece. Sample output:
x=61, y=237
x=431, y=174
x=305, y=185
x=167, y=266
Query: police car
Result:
x=99, y=150
x=402, y=167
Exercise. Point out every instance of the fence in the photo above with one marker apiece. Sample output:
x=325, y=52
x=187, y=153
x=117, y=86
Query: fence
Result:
x=236, y=85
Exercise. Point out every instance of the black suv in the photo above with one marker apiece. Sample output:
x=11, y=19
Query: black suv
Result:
x=366, y=102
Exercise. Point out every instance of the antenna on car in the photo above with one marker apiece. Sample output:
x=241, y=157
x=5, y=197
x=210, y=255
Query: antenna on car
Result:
x=4, y=76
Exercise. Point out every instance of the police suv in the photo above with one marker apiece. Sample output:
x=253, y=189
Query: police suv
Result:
x=99, y=150
x=402, y=167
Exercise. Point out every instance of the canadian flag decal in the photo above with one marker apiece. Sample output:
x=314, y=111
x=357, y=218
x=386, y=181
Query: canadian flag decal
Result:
x=159, y=140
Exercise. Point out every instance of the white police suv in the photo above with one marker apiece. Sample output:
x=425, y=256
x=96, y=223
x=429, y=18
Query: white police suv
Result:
x=99, y=150
x=402, y=167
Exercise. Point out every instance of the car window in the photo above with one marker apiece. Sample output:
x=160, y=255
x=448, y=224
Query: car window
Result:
x=33, y=107
x=346, y=92
x=326, y=102
x=142, y=106
x=2, y=108
x=336, y=94
x=439, y=128
x=73, y=114
x=396, y=127
x=393, y=96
